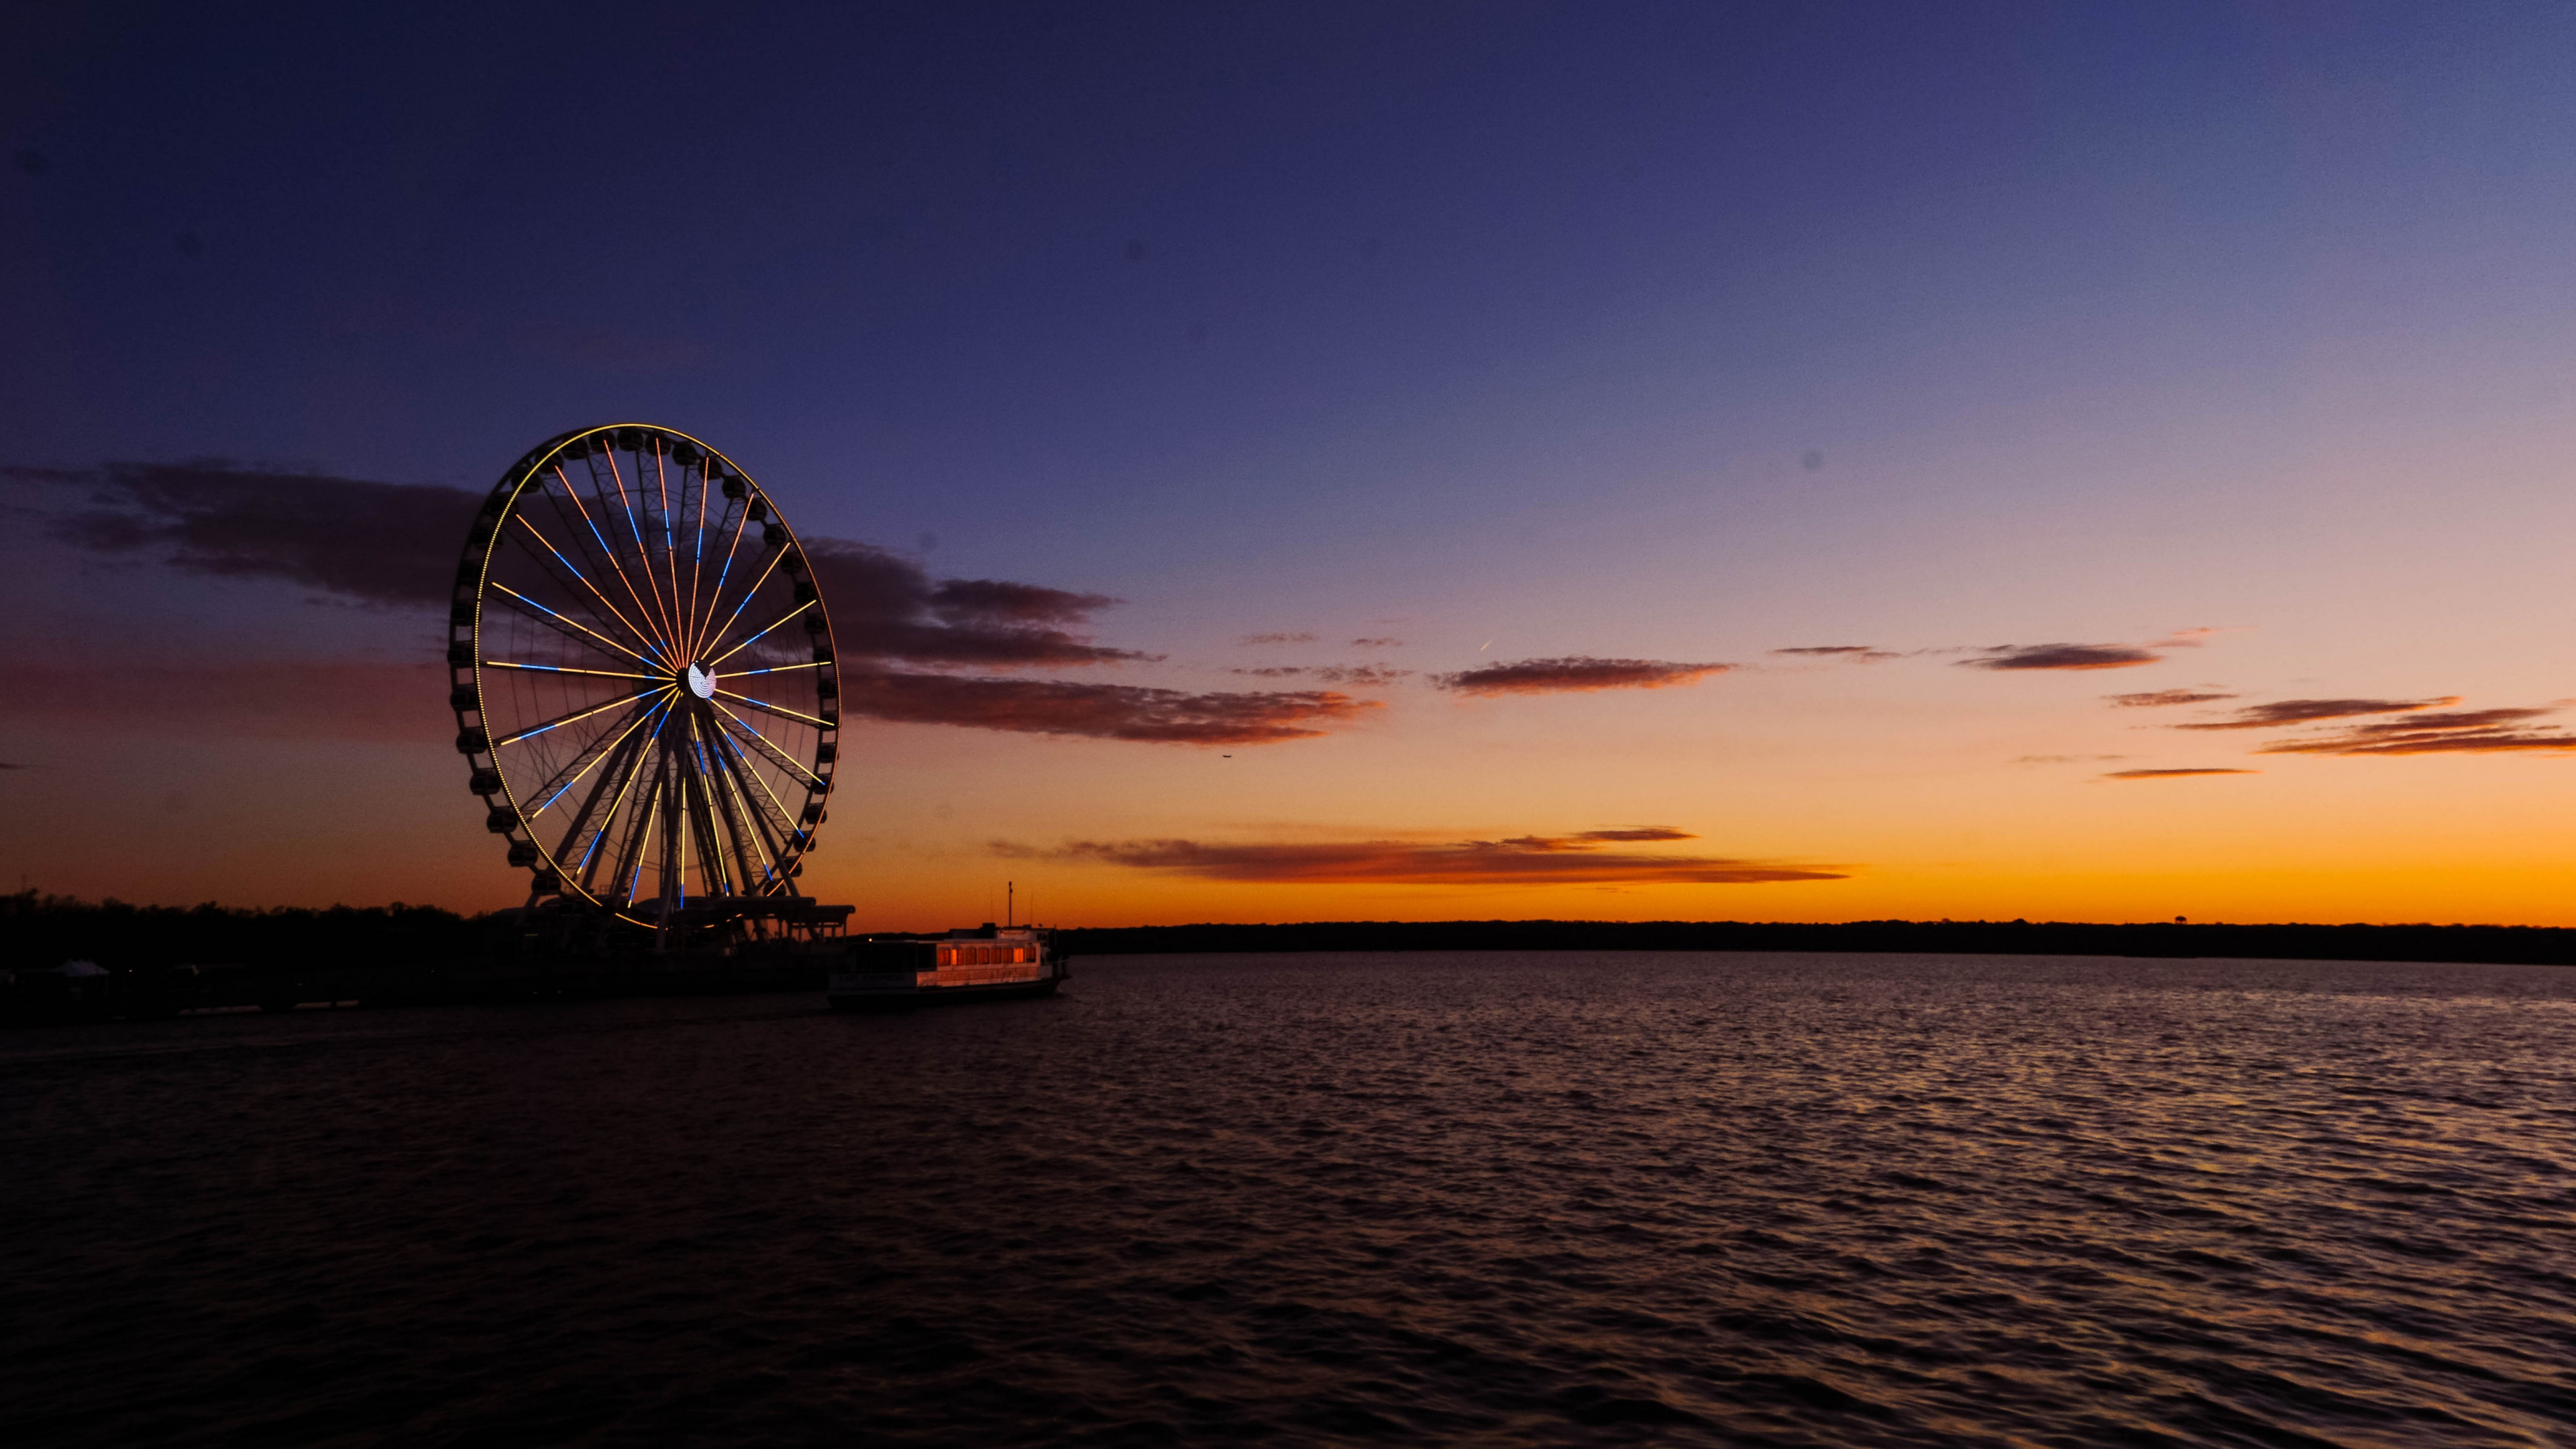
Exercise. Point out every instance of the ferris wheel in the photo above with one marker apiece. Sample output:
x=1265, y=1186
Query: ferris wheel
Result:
x=643, y=678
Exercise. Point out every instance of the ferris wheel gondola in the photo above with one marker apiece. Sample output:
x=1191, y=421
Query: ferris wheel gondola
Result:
x=643, y=677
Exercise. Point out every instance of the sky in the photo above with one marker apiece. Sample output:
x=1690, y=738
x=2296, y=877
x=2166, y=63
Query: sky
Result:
x=1637, y=461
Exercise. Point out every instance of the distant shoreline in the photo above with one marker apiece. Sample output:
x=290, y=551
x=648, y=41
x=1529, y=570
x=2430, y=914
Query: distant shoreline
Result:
x=39, y=931
x=2488, y=945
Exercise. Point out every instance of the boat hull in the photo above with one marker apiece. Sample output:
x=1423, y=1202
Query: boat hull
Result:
x=905, y=998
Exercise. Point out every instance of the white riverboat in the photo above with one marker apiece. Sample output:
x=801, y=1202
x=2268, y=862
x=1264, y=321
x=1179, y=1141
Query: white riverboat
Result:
x=982, y=963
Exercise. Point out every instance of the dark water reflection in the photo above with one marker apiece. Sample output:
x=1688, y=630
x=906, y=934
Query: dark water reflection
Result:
x=1500, y=1199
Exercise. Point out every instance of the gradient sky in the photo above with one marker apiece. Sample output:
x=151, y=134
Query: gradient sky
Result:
x=2214, y=356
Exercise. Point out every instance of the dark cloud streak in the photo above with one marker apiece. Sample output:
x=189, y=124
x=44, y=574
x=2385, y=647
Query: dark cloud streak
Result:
x=2459, y=732
x=384, y=544
x=1099, y=711
x=2302, y=711
x=1522, y=861
x=2062, y=656
x=2161, y=698
x=1576, y=674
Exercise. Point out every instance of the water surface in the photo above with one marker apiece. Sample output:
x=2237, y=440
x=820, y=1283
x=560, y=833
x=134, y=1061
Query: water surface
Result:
x=1503, y=1199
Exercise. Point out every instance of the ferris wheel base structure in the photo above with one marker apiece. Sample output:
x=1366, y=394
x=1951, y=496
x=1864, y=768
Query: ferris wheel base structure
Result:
x=646, y=691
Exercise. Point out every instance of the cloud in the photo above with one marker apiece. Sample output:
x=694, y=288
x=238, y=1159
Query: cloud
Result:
x=2065, y=759
x=1531, y=860
x=2461, y=732
x=1100, y=711
x=1859, y=653
x=1377, y=643
x=389, y=701
x=396, y=545
x=2062, y=656
x=886, y=606
x=384, y=544
x=2159, y=698
x=1366, y=676
x=2086, y=656
x=2171, y=774
x=1576, y=673
x=2301, y=711
x=1297, y=638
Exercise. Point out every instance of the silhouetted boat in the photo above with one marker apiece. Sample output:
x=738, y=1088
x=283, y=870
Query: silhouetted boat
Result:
x=985, y=963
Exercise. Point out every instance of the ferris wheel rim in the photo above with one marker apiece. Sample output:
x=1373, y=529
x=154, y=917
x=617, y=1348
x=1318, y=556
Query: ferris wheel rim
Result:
x=673, y=647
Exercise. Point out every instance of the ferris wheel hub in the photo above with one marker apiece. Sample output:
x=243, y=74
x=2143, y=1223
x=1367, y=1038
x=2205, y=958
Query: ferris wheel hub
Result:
x=701, y=683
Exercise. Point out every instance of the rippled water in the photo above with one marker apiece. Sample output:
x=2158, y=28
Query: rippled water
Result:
x=1502, y=1199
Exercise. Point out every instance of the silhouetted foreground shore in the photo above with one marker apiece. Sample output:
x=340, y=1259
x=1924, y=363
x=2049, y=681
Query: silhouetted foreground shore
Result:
x=66, y=958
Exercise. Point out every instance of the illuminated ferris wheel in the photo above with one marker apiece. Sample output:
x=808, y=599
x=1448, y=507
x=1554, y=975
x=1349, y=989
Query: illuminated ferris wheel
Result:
x=643, y=678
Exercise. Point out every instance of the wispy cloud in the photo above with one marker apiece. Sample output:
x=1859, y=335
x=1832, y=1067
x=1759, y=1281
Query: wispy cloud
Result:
x=1377, y=643
x=2303, y=711
x=1532, y=860
x=2171, y=774
x=1857, y=653
x=396, y=544
x=1100, y=711
x=885, y=606
x=2461, y=732
x=385, y=544
x=2065, y=759
x=1576, y=673
x=2085, y=656
x=2061, y=656
x=2161, y=698
x=1366, y=676
x=1300, y=637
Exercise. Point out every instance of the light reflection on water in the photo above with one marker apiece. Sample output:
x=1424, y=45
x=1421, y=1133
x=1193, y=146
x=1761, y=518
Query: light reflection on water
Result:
x=1506, y=1198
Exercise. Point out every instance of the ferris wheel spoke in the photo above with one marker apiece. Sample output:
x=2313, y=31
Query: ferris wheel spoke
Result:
x=643, y=550
x=741, y=520
x=600, y=747
x=779, y=710
x=670, y=539
x=763, y=634
x=750, y=594
x=772, y=669
x=750, y=826
x=564, y=621
x=698, y=548
x=584, y=579
x=626, y=774
x=776, y=818
x=727, y=823
x=565, y=669
x=770, y=747
x=609, y=787
x=675, y=834
x=609, y=552
x=774, y=827
x=639, y=839
x=533, y=731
